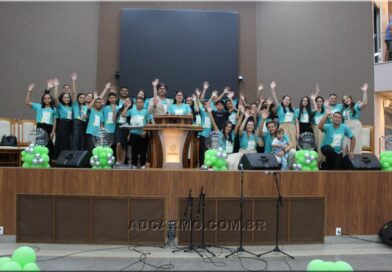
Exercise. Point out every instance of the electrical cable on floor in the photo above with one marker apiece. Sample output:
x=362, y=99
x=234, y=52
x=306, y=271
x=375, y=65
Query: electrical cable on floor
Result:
x=253, y=258
x=143, y=258
x=361, y=239
x=210, y=260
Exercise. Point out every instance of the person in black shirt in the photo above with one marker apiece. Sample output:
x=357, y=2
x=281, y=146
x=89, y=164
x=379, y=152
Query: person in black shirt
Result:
x=220, y=115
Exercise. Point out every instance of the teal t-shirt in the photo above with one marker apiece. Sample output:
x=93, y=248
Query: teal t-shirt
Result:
x=120, y=120
x=65, y=112
x=317, y=116
x=205, y=123
x=305, y=118
x=348, y=115
x=248, y=142
x=226, y=144
x=79, y=112
x=182, y=109
x=232, y=117
x=138, y=119
x=337, y=107
x=108, y=114
x=267, y=137
x=95, y=119
x=44, y=115
x=335, y=136
x=288, y=117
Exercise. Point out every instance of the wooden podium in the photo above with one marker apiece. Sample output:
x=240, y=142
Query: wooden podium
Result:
x=173, y=137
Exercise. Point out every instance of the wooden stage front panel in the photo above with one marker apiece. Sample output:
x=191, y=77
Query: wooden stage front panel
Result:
x=359, y=202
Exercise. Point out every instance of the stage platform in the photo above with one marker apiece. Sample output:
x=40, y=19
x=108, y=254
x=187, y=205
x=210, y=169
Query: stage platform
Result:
x=359, y=202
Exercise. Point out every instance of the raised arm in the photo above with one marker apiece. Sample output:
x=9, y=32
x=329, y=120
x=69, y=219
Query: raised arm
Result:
x=91, y=105
x=313, y=97
x=209, y=110
x=225, y=92
x=195, y=103
x=364, y=101
x=214, y=94
x=273, y=91
x=74, y=77
x=28, y=96
x=264, y=116
x=56, y=84
x=206, y=85
x=105, y=91
x=242, y=127
x=239, y=122
x=230, y=97
x=324, y=119
x=155, y=83
x=125, y=110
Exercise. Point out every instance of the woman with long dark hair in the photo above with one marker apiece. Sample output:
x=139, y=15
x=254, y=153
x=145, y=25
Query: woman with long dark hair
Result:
x=45, y=114
x=304, y=114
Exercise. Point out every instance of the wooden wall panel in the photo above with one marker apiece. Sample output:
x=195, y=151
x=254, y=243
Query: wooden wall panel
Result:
x=359, y=202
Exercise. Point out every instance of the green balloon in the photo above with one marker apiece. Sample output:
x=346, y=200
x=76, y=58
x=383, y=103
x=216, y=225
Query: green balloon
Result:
x=103, y=161
x=108, y=150
x=5, y=260
x=107, y=167
x=385, y=165
x=315, y=265
x=313, y=153
x=306, y=168
x=45, y=150
x=223, y=168
x=31, y=267
x=45, y=158
x=208, y=152
x=95, y=151
x=314, y=168
x=24, y=255
x=46, y=165
x=343, y=266
x=213, y=160
x=23, y=153
x=219, y=163
x=208, y=163
x=207, y=157
x=10, y=266
x=26, y=165
x=300, y=160
x=214, y=152
x=29, y=158
x=102, y=155
x=313, y=164
x=215, y=168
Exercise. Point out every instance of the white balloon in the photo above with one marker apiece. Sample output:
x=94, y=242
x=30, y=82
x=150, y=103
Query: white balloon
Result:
x=96, y=157
x=308, y=161
x=307, y=155
x=97, y=163
x=35, y=161
x=108, y=156
x=37, y=155
x=299, y=166
x=312, y=158
x=41, y=160
x=92, y=163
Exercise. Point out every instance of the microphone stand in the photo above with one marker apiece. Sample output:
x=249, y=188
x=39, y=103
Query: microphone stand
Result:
x=241, y=248
x=278, y=205
x=189, y=205
x=202, y=201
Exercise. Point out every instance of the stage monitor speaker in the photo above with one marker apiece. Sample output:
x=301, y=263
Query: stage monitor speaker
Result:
x=259, y=161
x=362, y=162
x=71, y=158
x=386, y=233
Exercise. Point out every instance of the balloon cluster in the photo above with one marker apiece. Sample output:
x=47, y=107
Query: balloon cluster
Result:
x=102, y=158
x=320, y=265
x=23, y=259
x=35, y=156
x=386, y=160
x=215, y=159
x=306, y=160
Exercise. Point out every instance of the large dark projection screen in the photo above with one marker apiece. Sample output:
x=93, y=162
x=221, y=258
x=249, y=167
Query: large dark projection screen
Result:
x=180, y=47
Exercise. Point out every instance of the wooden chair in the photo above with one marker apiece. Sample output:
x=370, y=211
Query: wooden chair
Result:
x=367, y=139
x=24, y=129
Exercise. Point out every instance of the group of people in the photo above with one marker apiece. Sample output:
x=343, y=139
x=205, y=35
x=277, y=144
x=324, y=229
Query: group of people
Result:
x=268, y=125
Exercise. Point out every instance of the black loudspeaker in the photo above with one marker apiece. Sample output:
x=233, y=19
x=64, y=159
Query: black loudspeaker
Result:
x=76, y=159
x=386, y=233
x=362, y=162
x=259, y=161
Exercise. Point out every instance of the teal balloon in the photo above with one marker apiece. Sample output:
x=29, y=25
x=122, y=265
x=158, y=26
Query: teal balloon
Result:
x=5, y=260
x=24, y=255
x=29, y=158
x=315, y=265
x=31, y=267
x=26, y=165
x=10, y=266
x=208, y=163
x=45, y=158
x=343, y=266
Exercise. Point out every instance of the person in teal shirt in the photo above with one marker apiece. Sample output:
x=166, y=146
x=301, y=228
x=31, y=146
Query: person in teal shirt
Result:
x=109, y=114
x=79, y=113
x=247, y=134
x=121, y=134
x=64, y=127
x=95, y=121
x=304, y=114
x=45, y=115
x=333, y=106
x=334, y=134
x=178, y=107
x=139, y=138
x=286, y=114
